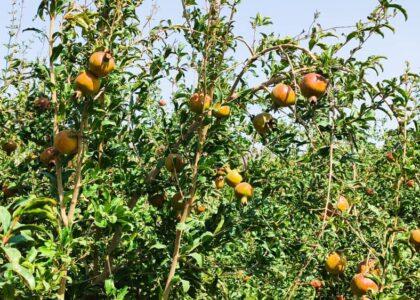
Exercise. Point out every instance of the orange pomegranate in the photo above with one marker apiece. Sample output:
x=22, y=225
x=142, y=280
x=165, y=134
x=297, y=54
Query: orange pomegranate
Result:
x=313, y=86
x=49, y=156
x=361, y=285
x=415, y=238
x=87, y=83
x=221, y=111
x=335, y=263
x=201, y=209
x=101, y=63
x=162, y=102
x=390, y=156
x=410, y=183
x=342, y=204
x=200, y=102
x=283, y=95
x=316, y=284
x=66, y=142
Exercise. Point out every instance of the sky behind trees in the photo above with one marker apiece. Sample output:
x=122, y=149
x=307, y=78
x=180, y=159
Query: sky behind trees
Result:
x=288, y=17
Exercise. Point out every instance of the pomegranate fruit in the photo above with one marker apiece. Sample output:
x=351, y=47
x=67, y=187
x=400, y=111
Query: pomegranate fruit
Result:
x=221, y=111
x=342, y=204
x=335, y=263
x=415, y=238
x=361, y=285
x=49, y=156
x=263, y=123
x=199, y=102
x=316, y=284
x=219, y=182
x=9, y=147
x=66, y=142
x=390, y=156
x=313, y=86
x=87, y=83
x=283, y=95
x=233, y=178
x=101, y=63
x=410, y=183
x=244, y=191
x=162, y=102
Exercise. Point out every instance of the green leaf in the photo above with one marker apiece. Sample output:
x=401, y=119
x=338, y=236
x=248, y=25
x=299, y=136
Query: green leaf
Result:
x=219, y=226
x=158, y=246
x=185, y=285
x=399, y=8
x=25, y=274
x=5, y=218
x=13, y=255
x=109, y=287
x=198, y=258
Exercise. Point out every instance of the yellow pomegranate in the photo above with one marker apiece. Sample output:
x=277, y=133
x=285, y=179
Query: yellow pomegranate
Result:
x=361, y=285
x=233, y=178
x=313, y=86
x=244, y=191
x=200, y=102
x=221, y=111
x=174, y=162
x=415, y=238
x=335, y=263
x=219, y=182
x=66, y=142
x=262, y=123
x=101, y=63
x=342, y=204
x=87, y=83
x=283, y=95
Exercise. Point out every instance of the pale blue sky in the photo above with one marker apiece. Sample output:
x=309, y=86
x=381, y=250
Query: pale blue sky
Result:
x=289, y=18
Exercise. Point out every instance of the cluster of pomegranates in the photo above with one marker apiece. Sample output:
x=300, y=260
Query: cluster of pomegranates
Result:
x=101, y=63
x=199, y=103
x=361, y=283
x=312, y=86
x=233, y=178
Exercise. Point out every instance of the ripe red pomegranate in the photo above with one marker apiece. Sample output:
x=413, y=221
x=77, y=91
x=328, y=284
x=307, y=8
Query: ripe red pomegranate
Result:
x=313, y=86
x=162, y=102
x=390, y=156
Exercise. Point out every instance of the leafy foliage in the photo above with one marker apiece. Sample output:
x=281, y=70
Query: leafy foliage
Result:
x=119, y=242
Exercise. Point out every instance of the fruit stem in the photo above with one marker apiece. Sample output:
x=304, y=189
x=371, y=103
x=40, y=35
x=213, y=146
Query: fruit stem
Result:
x=107, y=57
